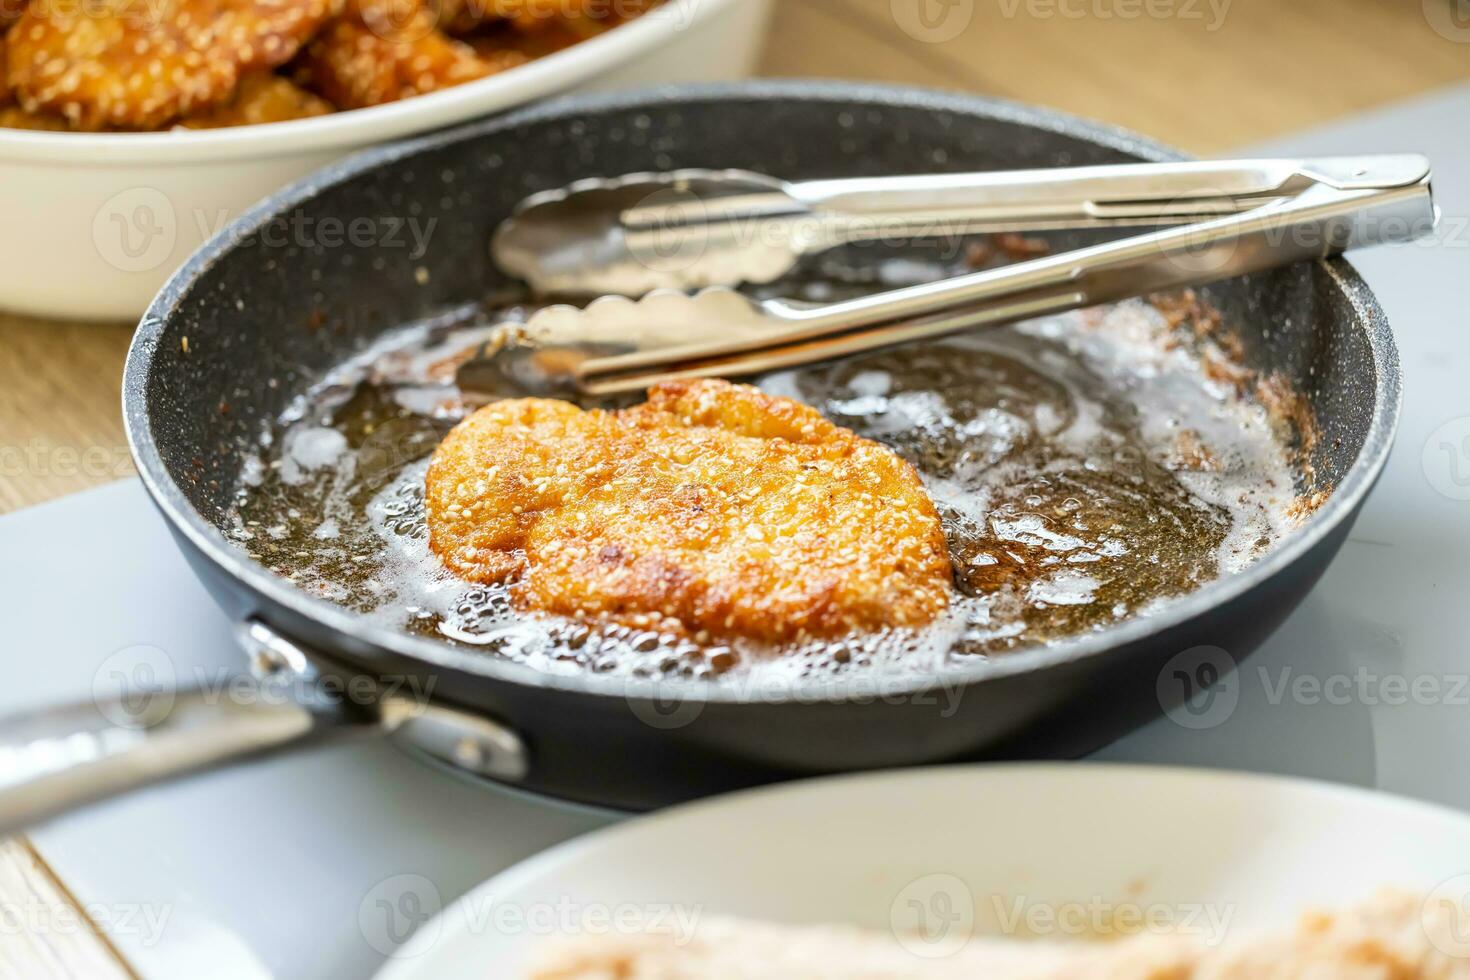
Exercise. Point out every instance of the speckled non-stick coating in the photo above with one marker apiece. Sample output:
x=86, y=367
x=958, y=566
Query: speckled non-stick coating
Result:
x=263, y=321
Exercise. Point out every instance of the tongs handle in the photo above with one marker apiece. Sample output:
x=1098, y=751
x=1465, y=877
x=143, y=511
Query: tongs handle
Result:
x=1106, y=195
x=1324, y=219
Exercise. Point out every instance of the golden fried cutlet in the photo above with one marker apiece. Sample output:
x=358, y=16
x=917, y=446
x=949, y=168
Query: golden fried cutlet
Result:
x=1392, y=936
x=140, y=64
x=357, y=63
x=14, y=117
x=10, y=12
x=711, y=507
x=261, y=98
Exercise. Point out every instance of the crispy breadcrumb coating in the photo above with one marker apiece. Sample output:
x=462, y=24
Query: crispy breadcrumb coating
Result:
x=711, y=507
x=261, y=98
x=116, y=65
x=14, y=117
x=354, y=65
x=140, y=64
x=1393, y=936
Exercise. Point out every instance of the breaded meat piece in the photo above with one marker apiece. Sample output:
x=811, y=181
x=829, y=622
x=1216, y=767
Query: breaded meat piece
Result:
x=575, y=19
x=261, y=98
x=1393, y=936
x=14, y=117
x=387, y=18
x=9, y=13
x=140, y=64
x=711, y=507
x=495, y=53
x=354, y=65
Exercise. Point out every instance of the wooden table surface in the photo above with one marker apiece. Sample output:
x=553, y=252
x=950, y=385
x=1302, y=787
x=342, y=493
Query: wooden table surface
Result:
x=1204, y=75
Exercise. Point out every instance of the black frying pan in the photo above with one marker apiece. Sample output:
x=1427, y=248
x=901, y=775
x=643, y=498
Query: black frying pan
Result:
x=635, y=744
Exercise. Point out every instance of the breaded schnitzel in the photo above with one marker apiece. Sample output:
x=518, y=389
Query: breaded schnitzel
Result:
x=1392, y=936
x=710, y=508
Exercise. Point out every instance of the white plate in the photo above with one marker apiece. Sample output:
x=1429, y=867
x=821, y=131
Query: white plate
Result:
x=1070, y=844
x=94, y=223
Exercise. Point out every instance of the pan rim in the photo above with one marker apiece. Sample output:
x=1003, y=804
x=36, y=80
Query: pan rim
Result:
x=169, y=497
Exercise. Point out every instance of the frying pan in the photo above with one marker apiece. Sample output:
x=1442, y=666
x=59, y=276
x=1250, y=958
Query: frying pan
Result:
x=252, y=319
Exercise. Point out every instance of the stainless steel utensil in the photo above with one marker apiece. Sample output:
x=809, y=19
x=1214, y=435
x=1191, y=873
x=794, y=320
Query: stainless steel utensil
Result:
x=618, y=345
x=694, y=228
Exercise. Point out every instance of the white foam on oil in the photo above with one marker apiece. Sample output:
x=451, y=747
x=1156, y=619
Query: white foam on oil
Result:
x=304, y=490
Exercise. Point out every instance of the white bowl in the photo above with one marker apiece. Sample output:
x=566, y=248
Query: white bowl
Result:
x=94, y=223
x=1224, y=853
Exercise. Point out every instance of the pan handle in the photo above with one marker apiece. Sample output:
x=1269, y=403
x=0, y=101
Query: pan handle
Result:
x=59, y=759
x=55, y=760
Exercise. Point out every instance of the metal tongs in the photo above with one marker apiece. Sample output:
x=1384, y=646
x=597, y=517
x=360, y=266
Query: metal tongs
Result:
x=719, y=229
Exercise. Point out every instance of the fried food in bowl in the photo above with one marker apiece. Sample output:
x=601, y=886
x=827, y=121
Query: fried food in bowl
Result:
x=157, y=64
x=112, y=175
